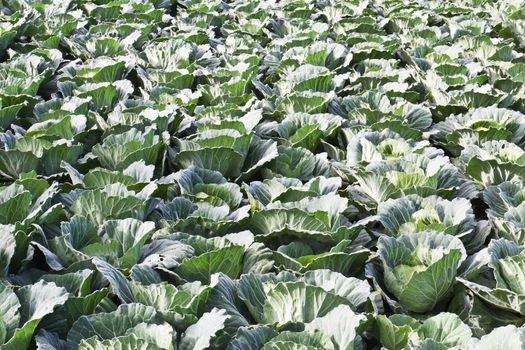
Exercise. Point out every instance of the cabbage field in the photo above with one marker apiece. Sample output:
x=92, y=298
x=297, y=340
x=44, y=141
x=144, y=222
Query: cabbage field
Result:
x=262, y=174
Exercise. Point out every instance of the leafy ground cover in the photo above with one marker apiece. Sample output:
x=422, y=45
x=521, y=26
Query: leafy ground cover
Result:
x=262, y=174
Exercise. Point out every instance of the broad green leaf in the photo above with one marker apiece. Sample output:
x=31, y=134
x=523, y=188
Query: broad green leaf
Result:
x=227, y=260
x=199, y=336
x=298, y=302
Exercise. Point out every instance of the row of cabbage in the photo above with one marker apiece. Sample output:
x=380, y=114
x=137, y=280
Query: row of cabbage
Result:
x=262, y=175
